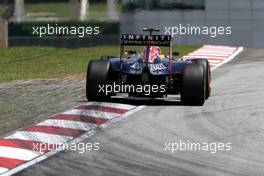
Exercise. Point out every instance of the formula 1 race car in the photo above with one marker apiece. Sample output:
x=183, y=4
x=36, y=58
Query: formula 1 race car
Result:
x=148, y=73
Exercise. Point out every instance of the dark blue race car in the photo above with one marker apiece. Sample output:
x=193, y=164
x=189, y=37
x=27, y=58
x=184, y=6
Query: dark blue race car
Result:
x=148, y=72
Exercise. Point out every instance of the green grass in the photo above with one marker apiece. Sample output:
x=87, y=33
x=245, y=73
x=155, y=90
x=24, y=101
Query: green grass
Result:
x=63, y=9
x=57, y=8
x=20, y=63
x=3, y=8
x=101, y=7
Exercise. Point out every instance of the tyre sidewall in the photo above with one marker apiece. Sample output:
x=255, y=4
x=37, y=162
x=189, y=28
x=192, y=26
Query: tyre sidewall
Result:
x=193, y=84
x=207, y=68
x=97, y=76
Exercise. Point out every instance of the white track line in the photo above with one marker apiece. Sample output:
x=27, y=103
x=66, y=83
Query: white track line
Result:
x=206, y=57
x=239, y=50
x=92, y=113
x=3, y=169
x=68, y=124
x=209, y=54
x=205, y=51
x=17, y=153
x=112, y=105
x=214, y=61
x=40, y=137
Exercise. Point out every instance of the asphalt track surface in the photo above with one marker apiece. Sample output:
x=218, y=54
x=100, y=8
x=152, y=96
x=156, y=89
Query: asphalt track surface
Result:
x=135, y=146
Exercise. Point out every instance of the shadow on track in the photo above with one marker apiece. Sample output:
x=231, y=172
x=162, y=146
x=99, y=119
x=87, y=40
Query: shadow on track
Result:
x=170, y=101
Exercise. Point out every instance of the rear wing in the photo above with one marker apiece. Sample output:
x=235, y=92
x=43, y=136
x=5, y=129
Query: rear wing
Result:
x=146, y=40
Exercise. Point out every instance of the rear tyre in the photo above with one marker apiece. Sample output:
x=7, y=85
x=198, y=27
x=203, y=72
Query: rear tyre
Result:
x=106, y=58
x=207, y=68
x=193, y=84
x=97, y=76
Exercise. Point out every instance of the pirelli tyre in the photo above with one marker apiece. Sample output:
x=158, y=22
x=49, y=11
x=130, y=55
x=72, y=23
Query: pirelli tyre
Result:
x=193, y=90
x=106, y=58
x=97, y=76
x=207, y=68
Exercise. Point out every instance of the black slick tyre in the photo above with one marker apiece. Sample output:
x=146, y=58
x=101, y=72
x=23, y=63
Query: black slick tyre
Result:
x=97, y=76
x=207, y=68
x=193, y=90
x=106, y=58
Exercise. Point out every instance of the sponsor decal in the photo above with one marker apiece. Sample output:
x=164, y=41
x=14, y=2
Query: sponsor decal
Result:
x=135, y=66
x=159, y=40
x=154, y=53
x=157, y=67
